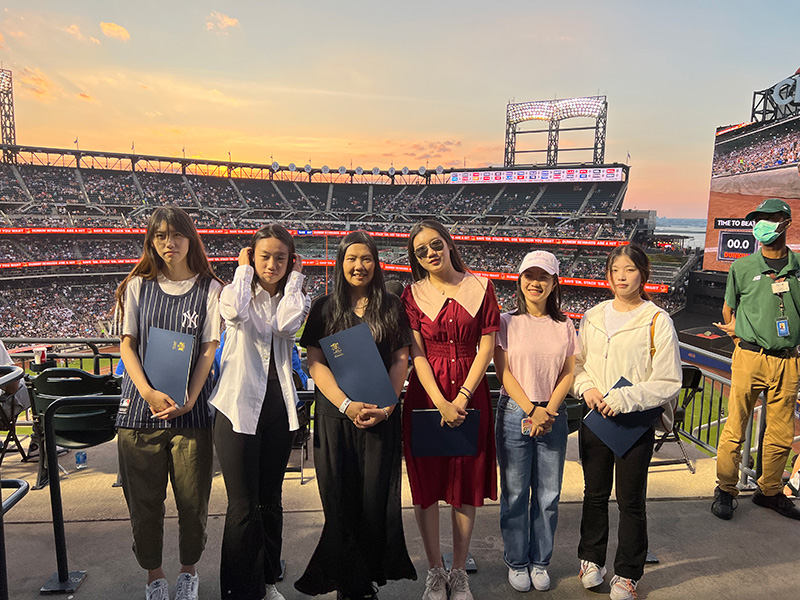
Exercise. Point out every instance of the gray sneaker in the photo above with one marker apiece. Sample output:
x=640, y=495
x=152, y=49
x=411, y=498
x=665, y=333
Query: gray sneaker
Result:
x=459, y=585
x=157, y=590
x=435, y=584
x=187, y=586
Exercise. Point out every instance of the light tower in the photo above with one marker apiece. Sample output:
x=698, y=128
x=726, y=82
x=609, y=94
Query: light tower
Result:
x=8, y=135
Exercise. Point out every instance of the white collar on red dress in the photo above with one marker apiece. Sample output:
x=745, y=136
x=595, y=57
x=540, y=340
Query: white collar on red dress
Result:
x=469, y=294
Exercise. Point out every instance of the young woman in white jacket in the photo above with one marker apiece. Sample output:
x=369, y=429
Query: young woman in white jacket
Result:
x=256, y=419
x=629, y=337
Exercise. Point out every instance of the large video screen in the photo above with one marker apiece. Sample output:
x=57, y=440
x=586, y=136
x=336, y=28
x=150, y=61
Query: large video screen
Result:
x=539, y=175
x=752, y=162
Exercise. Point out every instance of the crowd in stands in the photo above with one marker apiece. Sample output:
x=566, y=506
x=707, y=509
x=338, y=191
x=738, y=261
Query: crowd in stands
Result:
x=773, y=150
x=111, y=187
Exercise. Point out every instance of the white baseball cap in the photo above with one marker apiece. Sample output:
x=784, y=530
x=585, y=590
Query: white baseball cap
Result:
x=539, y=258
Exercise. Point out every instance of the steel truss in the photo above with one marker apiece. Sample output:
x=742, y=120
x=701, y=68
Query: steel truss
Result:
x=553, y=112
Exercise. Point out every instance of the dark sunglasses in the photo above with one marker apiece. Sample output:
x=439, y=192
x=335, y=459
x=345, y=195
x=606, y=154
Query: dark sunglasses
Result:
x=436, y=245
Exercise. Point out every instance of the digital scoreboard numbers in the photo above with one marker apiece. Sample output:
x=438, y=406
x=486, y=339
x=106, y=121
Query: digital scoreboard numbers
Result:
x=735, y=244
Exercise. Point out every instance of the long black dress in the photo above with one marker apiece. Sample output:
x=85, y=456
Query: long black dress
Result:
x=358, y=472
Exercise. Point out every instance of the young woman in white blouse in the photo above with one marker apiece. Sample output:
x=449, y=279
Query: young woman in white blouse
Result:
x=255, y=397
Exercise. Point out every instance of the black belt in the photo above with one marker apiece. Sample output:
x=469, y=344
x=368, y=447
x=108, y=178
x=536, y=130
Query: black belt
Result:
x=783, y=353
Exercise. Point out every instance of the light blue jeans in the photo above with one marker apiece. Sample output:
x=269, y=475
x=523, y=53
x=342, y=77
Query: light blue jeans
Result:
x=531, y=469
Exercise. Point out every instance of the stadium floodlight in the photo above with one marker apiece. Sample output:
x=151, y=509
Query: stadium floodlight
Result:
x=405, y=170
x=5, y=80
x=275, y=166
x=422, y=170
x=342, y=170
x=307, y=168
x=359, y=171
x=292, y=167
x=376, y=171
x=392, y=171
x=556, y=110
x=326, y=169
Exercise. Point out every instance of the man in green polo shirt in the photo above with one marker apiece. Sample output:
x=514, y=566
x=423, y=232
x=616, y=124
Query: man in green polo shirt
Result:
x=762, y=313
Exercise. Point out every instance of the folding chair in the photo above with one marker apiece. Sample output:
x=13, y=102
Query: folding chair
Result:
x=10, y=409
x=692, y=384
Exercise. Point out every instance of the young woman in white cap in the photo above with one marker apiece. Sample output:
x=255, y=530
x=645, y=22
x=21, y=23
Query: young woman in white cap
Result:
x=531, y=423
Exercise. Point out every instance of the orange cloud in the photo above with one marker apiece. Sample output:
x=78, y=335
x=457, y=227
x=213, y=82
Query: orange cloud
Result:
x=85, y=96
x=94, y=40
x=118, y=32
x=75, y=32
x=18, y=34
x=37, y=85
x=219, y=22
x=2, y=43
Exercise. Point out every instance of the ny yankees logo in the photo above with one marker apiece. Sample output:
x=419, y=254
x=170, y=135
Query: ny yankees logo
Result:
x=189, y=319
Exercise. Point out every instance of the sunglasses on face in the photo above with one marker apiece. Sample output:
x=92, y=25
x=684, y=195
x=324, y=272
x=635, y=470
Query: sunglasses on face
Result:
x=436, y=245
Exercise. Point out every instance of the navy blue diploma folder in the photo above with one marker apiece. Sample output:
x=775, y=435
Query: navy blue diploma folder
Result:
x=620, y=433
x=429, y=438
x=357, y=366
x=168, y=361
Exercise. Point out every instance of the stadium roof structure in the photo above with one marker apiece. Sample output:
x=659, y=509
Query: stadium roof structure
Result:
x=128, y=161
x=553, y=112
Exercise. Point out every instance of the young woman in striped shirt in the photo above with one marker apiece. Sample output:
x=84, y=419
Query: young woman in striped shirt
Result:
x=171, y=287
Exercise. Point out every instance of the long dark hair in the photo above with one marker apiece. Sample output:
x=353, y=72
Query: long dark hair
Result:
x=282, y=235
x=638, y=258
x=380, y=313
x=552, y=305
x=151, y=264
x=417, y=272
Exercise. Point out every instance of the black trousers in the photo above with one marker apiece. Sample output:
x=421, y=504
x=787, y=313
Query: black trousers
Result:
x=629, y=474
x=253, y=467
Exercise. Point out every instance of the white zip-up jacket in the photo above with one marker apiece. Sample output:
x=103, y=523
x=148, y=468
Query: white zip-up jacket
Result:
x=256, y=323
x=603, y=360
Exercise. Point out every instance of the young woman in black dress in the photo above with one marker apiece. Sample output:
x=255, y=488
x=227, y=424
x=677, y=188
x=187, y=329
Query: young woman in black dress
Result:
x=357, y=446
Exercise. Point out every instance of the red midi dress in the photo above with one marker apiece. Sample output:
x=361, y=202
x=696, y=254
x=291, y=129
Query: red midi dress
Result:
x=451, y=329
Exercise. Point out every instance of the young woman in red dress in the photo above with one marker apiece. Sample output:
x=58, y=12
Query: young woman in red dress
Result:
x=454, y=317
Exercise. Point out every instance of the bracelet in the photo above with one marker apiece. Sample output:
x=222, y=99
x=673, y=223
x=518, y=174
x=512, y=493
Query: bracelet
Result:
x=533, y=410
x=386, y=414
x=466, y=392
x=344, y=405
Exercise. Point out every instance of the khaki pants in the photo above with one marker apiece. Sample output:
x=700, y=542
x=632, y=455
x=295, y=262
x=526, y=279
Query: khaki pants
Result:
x=147, y=459
x=751, y=374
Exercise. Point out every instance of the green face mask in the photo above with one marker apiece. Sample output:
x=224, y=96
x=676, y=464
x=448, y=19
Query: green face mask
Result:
x=766, y=232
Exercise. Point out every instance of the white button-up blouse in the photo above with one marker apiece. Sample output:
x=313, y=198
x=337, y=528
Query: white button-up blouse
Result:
x=255, y=324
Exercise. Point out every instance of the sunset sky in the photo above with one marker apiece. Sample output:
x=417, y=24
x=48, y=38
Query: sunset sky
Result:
x=404, y=83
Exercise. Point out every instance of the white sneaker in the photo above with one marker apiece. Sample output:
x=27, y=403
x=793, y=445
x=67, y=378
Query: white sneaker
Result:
x=591, y=574
x=519, y=579
x=623, y=588
x=435, y=584
x=459, y=585
x=540, y=579
x=273, y=593
x=187, y=586
x=157, y=590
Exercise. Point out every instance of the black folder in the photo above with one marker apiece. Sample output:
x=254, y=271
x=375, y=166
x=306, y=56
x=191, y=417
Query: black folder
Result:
x=429, y=438
x=621, y=432
x=168, y=361
x=357, y=366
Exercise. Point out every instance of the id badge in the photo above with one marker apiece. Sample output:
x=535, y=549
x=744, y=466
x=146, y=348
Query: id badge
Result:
x=780, y=287
x=527, y=425
x=783, y=327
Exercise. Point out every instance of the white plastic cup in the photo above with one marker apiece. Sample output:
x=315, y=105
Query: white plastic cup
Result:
x=39, y=354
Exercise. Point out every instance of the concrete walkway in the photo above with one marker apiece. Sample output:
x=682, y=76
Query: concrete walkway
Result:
x=700, y=556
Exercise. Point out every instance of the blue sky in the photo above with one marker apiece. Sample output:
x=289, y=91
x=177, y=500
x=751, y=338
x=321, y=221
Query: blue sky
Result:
x=405, y=83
